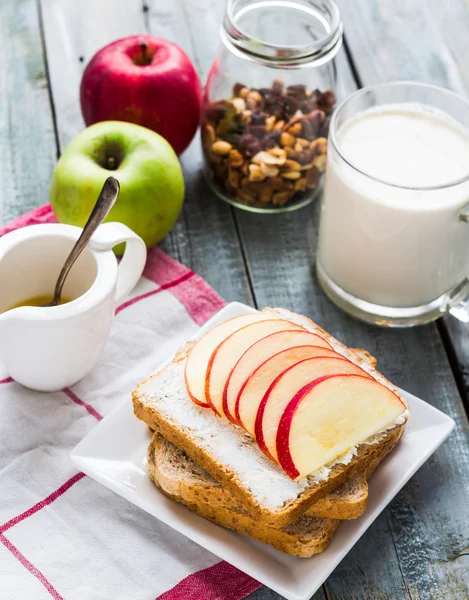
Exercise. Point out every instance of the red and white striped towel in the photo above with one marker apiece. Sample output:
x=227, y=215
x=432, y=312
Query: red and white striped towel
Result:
x=62, y=534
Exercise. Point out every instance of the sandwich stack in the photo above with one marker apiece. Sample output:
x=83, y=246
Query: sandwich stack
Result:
x=269, y=426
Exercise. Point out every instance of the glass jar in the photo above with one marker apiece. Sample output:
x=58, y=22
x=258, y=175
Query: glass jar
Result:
x=268, y=101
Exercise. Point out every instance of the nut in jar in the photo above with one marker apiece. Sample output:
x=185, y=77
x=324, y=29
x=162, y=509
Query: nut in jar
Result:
x=267, y=147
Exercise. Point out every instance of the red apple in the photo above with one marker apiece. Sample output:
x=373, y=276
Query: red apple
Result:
x=144, y=80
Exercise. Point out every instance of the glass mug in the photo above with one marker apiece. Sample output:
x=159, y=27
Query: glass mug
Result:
x=395, y=255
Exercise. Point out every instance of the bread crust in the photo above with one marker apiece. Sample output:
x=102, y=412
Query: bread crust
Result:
x=309, y=536
x=177, y=474
x=366, y=454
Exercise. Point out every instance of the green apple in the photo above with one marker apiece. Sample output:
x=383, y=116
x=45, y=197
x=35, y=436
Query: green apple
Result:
x=146, y=166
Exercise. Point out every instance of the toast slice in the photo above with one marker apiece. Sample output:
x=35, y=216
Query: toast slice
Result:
x=179, y=475
x=185, y=482
x=232, y=457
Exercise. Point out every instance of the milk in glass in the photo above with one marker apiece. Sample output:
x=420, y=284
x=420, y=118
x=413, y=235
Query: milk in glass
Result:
x=390, y=232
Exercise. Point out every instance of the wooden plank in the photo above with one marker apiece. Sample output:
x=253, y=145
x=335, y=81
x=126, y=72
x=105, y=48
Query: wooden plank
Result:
x=400, y=40
x=27, y=140
x=280, y=261
x=205, y=236
x=280, y=255
x=437, y=54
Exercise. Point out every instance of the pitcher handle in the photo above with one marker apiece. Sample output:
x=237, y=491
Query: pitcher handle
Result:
x=133, y=260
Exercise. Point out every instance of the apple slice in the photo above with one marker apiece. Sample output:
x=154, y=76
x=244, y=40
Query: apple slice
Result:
x=259, y=353
x=253, y=389
x=285, y=386
x=227, y=354
x=256, y=355
x=331, y=416
x=197, y=361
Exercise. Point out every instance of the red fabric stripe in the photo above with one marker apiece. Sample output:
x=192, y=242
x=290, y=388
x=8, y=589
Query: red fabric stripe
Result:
x=43, y=214
x=7, y=380
x=30, y=567
x=166, y=286
x=74, y=398
x=220, y=582
x=34, y=509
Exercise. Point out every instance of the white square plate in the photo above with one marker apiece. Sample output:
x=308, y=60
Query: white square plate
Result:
x=114, y=453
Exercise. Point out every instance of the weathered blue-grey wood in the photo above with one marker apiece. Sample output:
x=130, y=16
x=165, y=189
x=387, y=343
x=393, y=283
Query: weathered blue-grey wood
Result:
x=429, y=520
x=27, y=145
x=280, y=252
x=416, y=549
x=427, y=43
x=205, y=237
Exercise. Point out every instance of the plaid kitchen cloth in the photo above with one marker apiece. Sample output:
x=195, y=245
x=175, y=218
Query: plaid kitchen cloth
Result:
x=63, y=535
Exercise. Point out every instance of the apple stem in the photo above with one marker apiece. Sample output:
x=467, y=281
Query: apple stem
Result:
x=143, y=48
x=111, y=163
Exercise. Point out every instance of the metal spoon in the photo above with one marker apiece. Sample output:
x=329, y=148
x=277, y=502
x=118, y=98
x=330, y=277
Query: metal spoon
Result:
x=104, y=203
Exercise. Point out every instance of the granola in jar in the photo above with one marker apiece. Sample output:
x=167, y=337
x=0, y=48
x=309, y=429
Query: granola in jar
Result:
x=267, y=147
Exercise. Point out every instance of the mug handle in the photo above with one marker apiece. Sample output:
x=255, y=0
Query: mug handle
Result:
x=133, y=260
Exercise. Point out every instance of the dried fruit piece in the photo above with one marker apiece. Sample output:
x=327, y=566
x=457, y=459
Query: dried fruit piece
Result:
x=292, y=165
x=300, y=184
x=298, y=91
x=233, y=177
x=277, y=86
x=320, y=162
x=265, y=194
x=327, y=101
x=237, y=87
x=276, y=183
x=235, y=158
x=290, y=106
x=270, y=141
x=260, y=148
x=208, y=136
x=239, y=104
x=295, y=129
x=248, y=144
x=221, y=148
x=290, y=174
x=255, y=173
x=280, y=198
x=269, y=170
x=286, y=139
x=312, y=178
x=268, y=158
x=280, y=152
x=270, y=122
x=319, y=146
x=246, y=196
x=254, y=96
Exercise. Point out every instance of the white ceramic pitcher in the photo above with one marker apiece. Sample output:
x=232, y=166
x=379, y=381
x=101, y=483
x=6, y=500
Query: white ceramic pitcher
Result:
x=47, y=349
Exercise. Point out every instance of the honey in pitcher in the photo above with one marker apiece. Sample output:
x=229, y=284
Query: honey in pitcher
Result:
x=38, y=301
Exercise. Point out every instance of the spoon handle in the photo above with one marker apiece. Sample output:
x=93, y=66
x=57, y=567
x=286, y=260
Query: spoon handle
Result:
x=104, y=203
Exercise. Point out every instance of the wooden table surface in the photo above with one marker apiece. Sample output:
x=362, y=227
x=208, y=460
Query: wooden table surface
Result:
x=419, y=547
